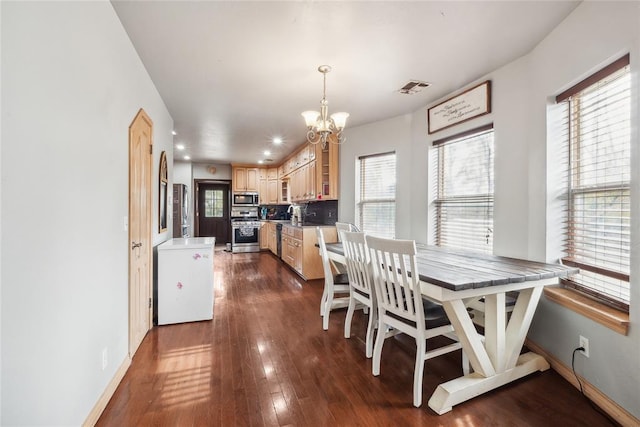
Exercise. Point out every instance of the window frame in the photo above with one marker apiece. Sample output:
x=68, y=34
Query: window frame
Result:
x=572, y=192
x=361, y=201
x=440, y=202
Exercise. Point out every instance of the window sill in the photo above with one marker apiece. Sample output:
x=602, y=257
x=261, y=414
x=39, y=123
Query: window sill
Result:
x=590, y=308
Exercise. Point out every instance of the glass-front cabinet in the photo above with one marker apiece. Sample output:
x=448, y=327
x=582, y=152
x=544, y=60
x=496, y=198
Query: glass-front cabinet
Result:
x=327, y=160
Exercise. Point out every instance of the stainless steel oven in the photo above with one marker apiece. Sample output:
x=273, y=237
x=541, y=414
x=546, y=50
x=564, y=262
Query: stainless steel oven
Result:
x=245, y=235
x=245, y=229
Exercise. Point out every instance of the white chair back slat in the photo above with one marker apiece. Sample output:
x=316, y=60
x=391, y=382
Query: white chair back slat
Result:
x=393, y=261
x=358, y=262
x=345, y=226
x=362, y=293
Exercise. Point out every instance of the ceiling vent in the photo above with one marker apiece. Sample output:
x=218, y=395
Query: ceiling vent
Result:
x=413, y=86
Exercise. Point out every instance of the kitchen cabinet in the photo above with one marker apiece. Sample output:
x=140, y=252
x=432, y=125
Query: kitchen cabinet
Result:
x=327, y=163
x=283, y=194
x=299, y=249
x=310, y=181
x=272, y=191
x=268, y=186
x=310, y=173
x=262, y=192
x=272, y=174
x=273, y=238
x=264, y=235
x=245, y=179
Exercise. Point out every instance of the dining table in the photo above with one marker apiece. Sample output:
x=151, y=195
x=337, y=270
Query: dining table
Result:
x=455, y=278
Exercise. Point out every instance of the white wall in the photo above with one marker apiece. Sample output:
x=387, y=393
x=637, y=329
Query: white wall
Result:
x=523, y=223
x=71, y=85
x=389, y=135
x=607, y=30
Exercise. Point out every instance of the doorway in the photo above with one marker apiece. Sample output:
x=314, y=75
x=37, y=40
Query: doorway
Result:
x=212, y=210
x=140, y=251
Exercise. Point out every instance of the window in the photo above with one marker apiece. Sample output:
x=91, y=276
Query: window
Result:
x=464, y=190
x=598, y=140
x=213, y=203
x=376, y=206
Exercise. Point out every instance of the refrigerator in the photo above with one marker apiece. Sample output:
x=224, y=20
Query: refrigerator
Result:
x=185, y=280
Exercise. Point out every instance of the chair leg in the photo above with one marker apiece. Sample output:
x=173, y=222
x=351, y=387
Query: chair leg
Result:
x=418, y=372
x=370, y=330
x=349, y=318
x=377, y=349
x=327, y=310
x=323, y=301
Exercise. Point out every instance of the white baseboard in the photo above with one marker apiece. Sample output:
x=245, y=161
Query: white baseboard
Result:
x=95, y=413
x=614, y=410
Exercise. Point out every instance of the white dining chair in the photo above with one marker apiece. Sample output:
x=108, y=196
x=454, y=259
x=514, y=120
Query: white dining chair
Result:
x=362, y=293
x=345, y=226
x=401, y=307
x=336, y=285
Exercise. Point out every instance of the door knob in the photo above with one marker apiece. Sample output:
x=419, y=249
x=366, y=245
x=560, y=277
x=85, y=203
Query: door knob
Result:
x=135, y=245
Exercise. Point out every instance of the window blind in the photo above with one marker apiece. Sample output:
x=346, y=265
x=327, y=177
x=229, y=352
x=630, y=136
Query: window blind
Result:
x=598, y=135
x=376, y=207
x=464, y=191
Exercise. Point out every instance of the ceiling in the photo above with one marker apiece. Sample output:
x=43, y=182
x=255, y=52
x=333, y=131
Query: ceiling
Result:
x=236, y=74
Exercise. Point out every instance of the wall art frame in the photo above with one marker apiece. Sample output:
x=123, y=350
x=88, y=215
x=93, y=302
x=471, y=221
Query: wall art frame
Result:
x=473, y=102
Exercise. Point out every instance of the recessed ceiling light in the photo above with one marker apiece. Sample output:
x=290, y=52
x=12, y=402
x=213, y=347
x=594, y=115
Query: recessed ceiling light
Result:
x=180, y=147
x=174, y=133
x=187, y=158
x=277, y=140
x=260, y=162
x=267, y=152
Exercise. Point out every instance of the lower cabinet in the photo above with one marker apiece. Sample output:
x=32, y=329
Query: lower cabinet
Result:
x=264, y=235
x=299, y=249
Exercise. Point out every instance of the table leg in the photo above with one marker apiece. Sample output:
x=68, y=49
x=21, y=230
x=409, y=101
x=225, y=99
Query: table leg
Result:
x=498, y=361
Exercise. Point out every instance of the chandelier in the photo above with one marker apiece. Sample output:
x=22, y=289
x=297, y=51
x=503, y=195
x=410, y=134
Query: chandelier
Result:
x=319, y=124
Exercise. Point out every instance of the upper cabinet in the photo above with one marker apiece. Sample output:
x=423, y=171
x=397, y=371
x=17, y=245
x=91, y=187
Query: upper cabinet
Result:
x=245, y=179
x=327, y=160
x=309, y=173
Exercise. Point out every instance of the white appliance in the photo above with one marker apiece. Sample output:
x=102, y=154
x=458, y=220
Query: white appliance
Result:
x=185, y=280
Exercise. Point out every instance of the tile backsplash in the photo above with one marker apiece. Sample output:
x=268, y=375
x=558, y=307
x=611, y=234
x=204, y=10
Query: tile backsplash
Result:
x=321, y=213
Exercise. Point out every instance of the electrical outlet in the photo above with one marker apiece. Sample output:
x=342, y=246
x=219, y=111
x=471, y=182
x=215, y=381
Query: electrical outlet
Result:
x=105, y=358
x=584, y=343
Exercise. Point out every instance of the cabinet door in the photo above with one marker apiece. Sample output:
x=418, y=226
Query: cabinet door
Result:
x=262, y=173
x=296, y=255
x=283, y=194
x=327, y=171
x=252, y=181
x=272, y=191
x=239, y=179
x=263, y=193
x=311, y=180
x=264, y=235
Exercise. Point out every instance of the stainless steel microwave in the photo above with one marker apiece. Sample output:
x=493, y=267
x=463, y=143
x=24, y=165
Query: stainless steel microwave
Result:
x=246, y=199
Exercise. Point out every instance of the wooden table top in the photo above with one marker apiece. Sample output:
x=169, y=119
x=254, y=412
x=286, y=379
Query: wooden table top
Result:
x=459, y=270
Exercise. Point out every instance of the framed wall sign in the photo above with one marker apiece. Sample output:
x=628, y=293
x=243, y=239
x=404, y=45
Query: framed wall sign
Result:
x=469, y=104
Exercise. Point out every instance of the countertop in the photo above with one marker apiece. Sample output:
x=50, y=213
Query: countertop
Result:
x=288, y=222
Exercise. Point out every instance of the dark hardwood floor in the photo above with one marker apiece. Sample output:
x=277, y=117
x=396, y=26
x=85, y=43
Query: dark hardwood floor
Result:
x=265, y=360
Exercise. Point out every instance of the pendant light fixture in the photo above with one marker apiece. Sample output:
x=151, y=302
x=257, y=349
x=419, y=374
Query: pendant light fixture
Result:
x=320, y=126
